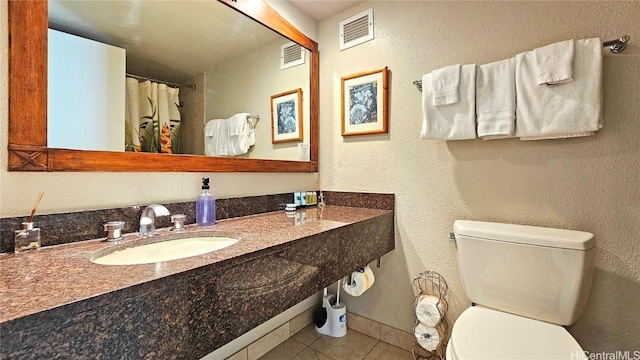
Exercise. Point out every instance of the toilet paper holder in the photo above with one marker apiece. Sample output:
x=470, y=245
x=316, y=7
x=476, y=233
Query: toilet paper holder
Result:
x=433, y=286
x=361, y=269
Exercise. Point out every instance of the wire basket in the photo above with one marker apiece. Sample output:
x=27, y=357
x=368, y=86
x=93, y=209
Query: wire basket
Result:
x=431, y=284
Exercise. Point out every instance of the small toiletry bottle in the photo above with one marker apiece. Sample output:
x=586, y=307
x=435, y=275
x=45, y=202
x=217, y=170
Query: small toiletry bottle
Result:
x=28, y=238
x=205, y=206
x=303, y=199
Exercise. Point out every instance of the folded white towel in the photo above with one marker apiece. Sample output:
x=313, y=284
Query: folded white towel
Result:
x=209, y=133
x=555, y=63
x=209, y=127
x=237, y=123
x=216, y=137
x=454, y=122
x=560, y=111
x=446, y=82
x=496, y=99
x=238, y=134
x=221, y=138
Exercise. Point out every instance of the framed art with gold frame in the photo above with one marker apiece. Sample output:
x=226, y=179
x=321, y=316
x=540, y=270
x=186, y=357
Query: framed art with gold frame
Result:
x=286, y=116
x=364, y=103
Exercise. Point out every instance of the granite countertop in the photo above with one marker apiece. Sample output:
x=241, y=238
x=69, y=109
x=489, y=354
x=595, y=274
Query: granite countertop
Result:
x=55, y=276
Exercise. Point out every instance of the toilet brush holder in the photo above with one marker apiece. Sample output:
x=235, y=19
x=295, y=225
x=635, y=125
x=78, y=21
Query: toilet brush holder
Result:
x=336, y=322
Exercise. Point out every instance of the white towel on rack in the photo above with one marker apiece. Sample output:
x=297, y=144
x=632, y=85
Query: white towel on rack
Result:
x=253, y=121
x=554, y=63
x=446, y=83
x=453, y=122
x=222, y=137
x=496, y=99
x=209, y=133
x=565, y=110
x=209, y=128
x=216, y=137
x=239, y=132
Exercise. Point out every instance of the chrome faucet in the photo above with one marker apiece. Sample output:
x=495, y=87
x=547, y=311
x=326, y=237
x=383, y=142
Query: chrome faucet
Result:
x=148, y=217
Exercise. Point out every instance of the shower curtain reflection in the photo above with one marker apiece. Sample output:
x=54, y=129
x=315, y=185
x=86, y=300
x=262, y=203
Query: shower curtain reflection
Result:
x=152, y=118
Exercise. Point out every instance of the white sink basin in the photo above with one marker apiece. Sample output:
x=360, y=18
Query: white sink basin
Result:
x=166, y=250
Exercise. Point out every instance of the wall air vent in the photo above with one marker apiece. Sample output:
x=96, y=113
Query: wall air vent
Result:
x=356, y=29
x=291, y=54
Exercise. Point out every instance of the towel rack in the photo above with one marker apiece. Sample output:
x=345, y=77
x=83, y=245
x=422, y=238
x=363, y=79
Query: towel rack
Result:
x=615, y=46
x=253, y=120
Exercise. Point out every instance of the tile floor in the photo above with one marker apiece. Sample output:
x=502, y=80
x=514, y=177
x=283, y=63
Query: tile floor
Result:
x=308, y=344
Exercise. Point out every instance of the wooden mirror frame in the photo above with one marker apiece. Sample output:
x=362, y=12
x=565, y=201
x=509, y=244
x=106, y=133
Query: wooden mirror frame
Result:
x=28, y=151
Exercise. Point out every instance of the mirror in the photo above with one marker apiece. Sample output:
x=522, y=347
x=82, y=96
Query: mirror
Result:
x=226, y=63
x=28, y=120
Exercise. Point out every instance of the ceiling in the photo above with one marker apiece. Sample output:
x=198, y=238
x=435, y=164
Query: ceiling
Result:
x=322, y=9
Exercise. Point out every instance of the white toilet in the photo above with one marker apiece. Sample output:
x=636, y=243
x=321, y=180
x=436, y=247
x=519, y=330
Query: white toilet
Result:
x=526, y=283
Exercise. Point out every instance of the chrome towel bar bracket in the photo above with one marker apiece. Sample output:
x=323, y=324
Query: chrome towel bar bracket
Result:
x=618, y=45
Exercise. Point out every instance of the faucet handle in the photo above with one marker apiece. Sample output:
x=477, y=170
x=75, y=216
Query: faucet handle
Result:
x=114, y=230
x=178, y=222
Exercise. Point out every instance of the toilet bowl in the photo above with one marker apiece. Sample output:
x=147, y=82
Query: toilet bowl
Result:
x=483, y=333
x=527, y=283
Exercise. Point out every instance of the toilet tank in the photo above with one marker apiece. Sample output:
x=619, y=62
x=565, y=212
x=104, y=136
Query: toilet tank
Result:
x=541, y=273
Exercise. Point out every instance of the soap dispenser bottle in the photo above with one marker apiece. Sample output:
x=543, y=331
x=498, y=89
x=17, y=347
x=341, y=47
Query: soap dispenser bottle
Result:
x=205, y=206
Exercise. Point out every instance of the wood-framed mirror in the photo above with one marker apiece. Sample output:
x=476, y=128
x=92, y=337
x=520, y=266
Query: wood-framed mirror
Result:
x=28, y=151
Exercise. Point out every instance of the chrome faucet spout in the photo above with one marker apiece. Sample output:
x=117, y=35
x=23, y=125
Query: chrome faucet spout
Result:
x=148, y=217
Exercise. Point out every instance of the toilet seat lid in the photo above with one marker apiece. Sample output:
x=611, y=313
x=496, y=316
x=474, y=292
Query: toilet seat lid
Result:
x=482, y=333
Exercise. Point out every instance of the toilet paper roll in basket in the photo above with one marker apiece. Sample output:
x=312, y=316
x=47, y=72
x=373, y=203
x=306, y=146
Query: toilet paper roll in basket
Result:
x=361, y=281
x=429, y=310
x=428, y=337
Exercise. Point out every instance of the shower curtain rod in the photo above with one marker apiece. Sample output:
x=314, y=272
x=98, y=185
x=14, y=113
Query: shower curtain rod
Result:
x=191, y=86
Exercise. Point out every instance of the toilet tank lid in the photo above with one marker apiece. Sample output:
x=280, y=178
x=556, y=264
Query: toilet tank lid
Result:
x=525, y=234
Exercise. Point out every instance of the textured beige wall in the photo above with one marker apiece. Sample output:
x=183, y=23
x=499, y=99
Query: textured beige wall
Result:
x=95, y=190
x=589, y=184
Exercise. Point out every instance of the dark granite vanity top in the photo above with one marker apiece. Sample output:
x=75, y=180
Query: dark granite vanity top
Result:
x=63, y=275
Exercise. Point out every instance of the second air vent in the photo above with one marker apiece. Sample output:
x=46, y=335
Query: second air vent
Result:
x=356, y=29
x=291, y=54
